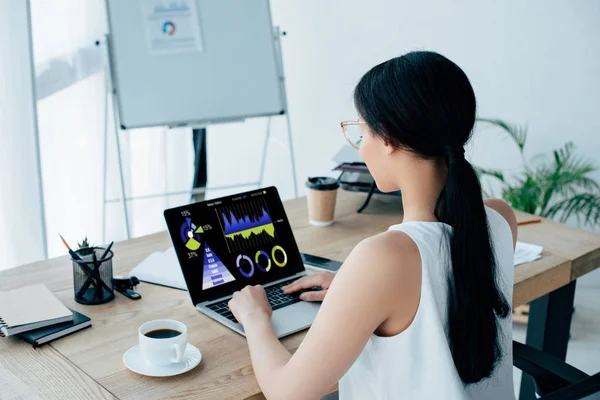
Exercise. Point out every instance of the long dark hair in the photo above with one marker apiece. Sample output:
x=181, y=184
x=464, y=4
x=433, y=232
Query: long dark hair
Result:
x=424, y=103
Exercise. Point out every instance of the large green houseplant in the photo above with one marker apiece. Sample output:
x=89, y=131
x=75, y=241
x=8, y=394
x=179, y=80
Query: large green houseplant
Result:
x=559, y=187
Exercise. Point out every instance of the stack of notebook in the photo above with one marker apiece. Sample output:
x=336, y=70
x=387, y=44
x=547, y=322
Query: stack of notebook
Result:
x=37, y=316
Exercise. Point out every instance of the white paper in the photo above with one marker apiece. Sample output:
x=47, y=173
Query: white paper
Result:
x=172, y=26
x=162, y=269
x=525, y=252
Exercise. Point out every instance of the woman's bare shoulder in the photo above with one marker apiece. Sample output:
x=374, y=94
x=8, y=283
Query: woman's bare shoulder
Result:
x=391, y=253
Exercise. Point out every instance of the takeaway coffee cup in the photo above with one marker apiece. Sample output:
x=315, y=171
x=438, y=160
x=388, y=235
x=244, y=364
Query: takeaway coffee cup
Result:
x=322, y=192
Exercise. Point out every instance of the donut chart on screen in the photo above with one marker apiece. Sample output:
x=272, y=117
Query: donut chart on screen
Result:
x=284, y=256
x=238, y=262
x=257, y=260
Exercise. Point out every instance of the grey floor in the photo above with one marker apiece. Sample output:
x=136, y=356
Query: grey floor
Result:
x=584, y=346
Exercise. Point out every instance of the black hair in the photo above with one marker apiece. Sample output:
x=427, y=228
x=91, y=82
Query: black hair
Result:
x=424, y=103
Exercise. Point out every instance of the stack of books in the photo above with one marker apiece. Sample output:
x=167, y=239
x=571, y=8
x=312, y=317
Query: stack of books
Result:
x=37, y=316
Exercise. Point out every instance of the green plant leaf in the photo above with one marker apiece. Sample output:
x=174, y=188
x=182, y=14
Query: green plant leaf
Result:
x=584, y=206
x=85, y=243
x=566, y=176
x=517, y=133
x=525, y=195
x=573, y=177
x=489, y=172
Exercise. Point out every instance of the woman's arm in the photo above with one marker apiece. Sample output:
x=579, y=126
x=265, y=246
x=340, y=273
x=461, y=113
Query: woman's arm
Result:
x=361, y=297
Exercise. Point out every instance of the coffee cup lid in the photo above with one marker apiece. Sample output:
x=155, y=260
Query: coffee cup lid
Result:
x=322, y=183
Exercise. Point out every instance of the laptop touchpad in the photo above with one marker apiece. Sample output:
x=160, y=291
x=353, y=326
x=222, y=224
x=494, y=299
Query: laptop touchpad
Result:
x=294, y=318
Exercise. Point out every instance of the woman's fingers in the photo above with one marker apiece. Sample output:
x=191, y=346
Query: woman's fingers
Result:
x=306, y=282
x=313, y=296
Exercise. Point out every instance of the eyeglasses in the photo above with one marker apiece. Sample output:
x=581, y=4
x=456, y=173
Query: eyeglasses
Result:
x=352, y=132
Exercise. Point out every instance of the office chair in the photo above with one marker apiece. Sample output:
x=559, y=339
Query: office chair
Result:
x=554, y=379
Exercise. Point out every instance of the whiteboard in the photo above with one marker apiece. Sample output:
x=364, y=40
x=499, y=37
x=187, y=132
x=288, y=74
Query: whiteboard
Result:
x=234, y=72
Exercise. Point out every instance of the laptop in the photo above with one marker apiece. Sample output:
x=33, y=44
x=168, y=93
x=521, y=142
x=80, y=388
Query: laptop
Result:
x=227, y=243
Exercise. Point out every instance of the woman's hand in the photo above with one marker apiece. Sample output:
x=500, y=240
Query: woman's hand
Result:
x=322, y=280
x=250, y=303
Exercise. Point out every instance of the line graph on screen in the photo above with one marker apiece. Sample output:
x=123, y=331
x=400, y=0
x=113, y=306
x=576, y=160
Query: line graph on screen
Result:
x=246, y=224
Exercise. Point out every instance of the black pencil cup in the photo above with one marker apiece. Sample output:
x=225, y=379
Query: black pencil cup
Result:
x=92, y=276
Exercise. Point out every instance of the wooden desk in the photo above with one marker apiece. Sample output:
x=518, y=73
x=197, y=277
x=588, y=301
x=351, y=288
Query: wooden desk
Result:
x=88, y=365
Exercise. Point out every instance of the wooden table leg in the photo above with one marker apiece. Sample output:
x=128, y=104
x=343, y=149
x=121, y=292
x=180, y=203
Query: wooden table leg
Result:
x=548, y=329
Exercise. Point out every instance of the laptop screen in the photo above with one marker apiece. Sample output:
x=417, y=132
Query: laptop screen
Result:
x=227, y=243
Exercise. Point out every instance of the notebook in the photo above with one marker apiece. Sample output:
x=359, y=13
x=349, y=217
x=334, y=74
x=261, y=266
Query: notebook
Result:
x=28, y=308
x=161, y=268
x=41, y=336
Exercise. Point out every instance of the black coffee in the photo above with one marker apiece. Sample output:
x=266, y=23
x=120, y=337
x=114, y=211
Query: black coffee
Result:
x=162, y=333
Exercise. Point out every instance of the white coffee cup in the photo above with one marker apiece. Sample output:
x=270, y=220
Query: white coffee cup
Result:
x=163, y=351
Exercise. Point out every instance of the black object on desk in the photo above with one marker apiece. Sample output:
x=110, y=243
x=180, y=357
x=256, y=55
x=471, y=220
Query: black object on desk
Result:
x=45, y=335
x=355, y=177
x=321, y=263
x=125, y=286
x=92, y=276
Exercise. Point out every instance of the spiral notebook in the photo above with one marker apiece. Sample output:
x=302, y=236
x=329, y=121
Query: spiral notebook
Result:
x=29, y=308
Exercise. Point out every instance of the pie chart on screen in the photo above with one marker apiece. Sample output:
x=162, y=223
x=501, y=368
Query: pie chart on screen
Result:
x=190, y=235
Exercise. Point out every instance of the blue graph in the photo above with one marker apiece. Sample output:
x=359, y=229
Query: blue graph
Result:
x=234, y=225
x=215, y=273
x=246, y=224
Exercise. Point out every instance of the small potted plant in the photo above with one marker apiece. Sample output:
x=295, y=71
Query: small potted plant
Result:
x=84, y=248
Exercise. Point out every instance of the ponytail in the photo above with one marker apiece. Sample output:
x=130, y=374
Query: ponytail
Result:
x=475, y=301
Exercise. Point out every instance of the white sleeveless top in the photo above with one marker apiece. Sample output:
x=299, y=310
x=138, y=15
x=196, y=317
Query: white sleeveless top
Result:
x=417, y=363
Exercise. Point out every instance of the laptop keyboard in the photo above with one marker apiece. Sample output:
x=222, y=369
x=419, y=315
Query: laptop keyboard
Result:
x=277, y=299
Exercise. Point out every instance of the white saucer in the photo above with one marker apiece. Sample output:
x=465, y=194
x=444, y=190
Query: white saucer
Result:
x=133, y=360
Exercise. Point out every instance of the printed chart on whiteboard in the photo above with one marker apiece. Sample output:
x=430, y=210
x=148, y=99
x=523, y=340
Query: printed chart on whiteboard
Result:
x=172, y=26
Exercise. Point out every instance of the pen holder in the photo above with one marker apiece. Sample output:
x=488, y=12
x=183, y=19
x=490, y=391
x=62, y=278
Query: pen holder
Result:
x=92, y=276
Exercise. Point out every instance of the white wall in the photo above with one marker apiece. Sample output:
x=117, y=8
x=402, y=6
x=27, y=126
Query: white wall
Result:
x=534, y=63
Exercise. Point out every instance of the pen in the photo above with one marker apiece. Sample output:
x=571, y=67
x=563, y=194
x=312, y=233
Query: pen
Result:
x=74, y=255
x=106, y=251
x=529, y=221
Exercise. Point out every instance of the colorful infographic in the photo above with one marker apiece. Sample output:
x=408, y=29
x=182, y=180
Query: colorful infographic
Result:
x=262, y=261
x=283, y=256
x=226, y=243
x=190, y=234
x=245, y=265
x=215, y=272
x=246, y=225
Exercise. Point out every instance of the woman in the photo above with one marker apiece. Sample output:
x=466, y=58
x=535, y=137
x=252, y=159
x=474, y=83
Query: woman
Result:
x=421, y=311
